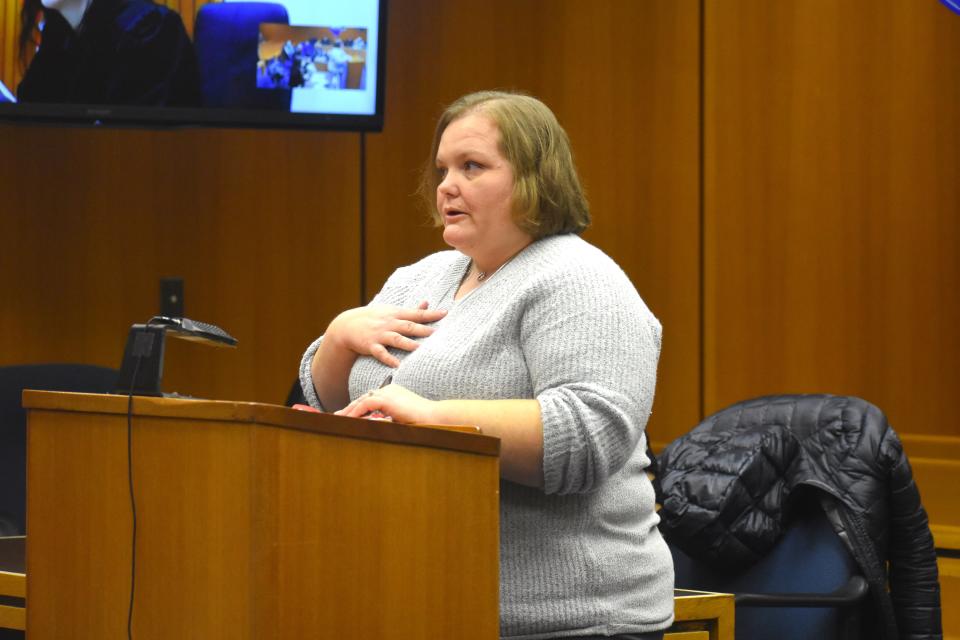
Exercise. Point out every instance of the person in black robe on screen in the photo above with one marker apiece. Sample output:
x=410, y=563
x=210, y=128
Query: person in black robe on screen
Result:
x=109, y=52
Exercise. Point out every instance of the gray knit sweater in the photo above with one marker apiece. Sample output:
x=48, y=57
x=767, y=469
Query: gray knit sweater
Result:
x=560, y=323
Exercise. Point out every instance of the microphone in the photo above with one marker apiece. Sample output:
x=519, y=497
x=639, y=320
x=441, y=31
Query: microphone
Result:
x=142, y=368
x=194, y=330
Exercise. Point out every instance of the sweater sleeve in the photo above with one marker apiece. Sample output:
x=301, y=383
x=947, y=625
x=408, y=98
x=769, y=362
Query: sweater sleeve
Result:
x=306, y=375
x=592, y=348
x=306, y=362
x=397, y=290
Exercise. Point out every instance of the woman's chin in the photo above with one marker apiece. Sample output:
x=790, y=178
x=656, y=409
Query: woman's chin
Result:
x=454, y=236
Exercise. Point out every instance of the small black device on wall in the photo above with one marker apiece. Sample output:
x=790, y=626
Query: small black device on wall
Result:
x=171, y=297
x=141, y=371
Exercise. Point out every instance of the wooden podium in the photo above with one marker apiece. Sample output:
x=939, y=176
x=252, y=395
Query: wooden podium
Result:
x=255, y=521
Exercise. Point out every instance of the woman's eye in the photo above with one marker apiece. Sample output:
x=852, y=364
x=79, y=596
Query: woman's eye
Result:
x=441, y=173
x=470, y=165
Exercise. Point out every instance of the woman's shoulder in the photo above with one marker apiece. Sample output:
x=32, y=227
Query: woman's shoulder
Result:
x=428, y=269
x=424, y=278
x=568, y=269
x=569, y=256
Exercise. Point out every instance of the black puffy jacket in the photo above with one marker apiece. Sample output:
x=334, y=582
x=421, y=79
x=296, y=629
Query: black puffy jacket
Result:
x=725, y=491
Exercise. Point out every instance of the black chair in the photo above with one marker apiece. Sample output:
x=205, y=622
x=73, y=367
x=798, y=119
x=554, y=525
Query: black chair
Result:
x=13, y=447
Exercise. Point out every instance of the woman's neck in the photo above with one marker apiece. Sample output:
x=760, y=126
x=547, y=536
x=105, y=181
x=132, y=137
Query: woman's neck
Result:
x=488, y=265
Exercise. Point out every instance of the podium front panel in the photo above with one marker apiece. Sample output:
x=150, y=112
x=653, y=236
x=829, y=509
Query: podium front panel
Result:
x=252, y=523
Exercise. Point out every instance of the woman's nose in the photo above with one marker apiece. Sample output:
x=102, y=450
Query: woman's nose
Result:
x=448, y=185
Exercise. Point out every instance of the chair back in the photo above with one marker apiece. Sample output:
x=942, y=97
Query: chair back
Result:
x=13, y=430
x=296, y=394
x=810, y=558
x=227, y=39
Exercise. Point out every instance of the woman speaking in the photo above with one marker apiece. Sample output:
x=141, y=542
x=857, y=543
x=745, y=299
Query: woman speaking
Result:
x=537, y=337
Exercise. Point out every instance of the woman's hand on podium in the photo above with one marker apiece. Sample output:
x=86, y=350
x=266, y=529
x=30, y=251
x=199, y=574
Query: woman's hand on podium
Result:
x=392, y=402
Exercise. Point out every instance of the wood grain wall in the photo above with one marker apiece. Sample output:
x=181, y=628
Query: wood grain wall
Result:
x=779, y=178
x=832, y=152
x=261, y=225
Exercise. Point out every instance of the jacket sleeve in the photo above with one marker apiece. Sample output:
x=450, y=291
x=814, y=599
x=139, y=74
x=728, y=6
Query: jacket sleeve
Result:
x=591, y=346
x=913, y=577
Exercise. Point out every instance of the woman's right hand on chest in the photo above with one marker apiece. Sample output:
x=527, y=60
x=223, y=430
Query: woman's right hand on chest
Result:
x=370, y=330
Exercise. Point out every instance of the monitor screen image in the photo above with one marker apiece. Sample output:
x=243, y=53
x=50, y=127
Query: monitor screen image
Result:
x=286, y=63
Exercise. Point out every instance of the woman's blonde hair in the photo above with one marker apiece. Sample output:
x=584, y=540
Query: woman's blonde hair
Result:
x=547, y=196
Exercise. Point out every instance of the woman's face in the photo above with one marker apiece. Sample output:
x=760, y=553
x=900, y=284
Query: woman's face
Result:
x=475, y=195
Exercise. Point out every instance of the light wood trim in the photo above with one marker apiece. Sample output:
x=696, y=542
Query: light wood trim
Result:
x=949, y=567
x=937, y=481
x=13, y=617
x=251, y=412
x=936, y=447
x=935, y=460
x=687, y=635
x=13, y=584
x=700, y=611
x=945, y=536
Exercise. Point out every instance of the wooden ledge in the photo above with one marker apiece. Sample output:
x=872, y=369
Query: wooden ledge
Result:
x=458, y=438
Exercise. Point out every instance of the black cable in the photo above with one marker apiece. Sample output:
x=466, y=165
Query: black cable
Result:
x=142, y=347
x=133, y=501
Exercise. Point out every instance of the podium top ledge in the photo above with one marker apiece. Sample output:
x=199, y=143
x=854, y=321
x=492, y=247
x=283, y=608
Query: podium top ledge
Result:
x=458, y=438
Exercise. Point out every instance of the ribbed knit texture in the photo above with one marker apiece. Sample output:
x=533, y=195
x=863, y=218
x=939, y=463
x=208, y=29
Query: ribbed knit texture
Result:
x=561, y=323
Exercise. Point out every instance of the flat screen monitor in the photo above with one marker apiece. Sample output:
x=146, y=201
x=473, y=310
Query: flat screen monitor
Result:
x=313, y=64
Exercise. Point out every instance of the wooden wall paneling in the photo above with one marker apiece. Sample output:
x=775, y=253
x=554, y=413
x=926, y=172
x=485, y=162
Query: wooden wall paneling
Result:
x=832, y=252
x=58, y=298
x=279, y=256
x=622, y=78
x=262, y=225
